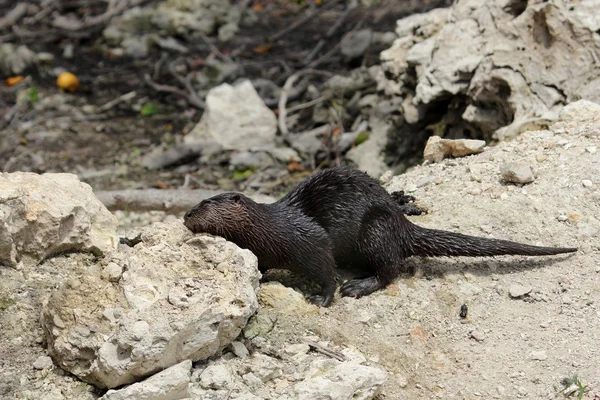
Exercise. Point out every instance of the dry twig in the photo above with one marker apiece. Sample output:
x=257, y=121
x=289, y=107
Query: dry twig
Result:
x=14, y=15
x=193, y=101
x=325, y=350
x=171, y=201
x=285, y=91
x=120, y=99
x=330, y=32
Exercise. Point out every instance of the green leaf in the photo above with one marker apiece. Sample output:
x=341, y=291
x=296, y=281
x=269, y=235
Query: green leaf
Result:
x=361, y=138
x=242, y=174
x=149, y=109
x=33, y=94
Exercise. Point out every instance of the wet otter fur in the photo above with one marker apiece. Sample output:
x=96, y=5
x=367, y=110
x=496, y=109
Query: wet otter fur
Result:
x=338, y=217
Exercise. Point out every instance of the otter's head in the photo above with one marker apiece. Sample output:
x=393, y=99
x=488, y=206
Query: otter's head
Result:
x=223, y=215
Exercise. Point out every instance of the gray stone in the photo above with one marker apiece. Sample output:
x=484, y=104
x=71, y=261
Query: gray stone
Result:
x=43, y=362
x=517, y=290
x=328, y=379
x=228, y=31
x=539, y=355
x=216, y=376
x=42, y=215
x=297, y=348
x=239, y=349
x=437, y=148
x=478, y=335
x=491, y=63
x=181, y=297
x=236, y=118
x=170, y=384
x=15, y=59
x=355, y=43
x=517, y=172
x=244, y=160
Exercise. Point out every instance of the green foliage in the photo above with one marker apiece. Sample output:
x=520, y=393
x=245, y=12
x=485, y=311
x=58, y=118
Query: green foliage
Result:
x=361, y=138
x=149, y=109
x=239, y=175
x=5, y=302
x=32, y=94
x=572, y=386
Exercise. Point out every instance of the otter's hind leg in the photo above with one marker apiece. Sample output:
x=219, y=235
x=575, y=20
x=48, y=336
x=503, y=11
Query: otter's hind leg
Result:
x=360, y=287
x=381, y=248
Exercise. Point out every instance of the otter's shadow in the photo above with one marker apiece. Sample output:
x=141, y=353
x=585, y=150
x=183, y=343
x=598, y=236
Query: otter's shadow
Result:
x=432, y=268
x=479, y=266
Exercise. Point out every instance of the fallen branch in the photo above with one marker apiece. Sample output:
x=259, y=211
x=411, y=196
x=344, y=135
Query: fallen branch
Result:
x=296, y=24
x=69, y=25
x=351, y=6
x=193, y=101
x=180, y=154
x=285, y=91
x=325, y=350
x=187, y=82
x=170, y=201
x=126, y=97
x=307, y=104
x=14, y=15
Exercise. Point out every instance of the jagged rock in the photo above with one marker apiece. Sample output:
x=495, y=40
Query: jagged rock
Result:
x=368, y=156
x=517, y=172
x=330, y=379
x=437, y=148
x=15, y=59
x=236, y=118
x=244, y=160
x=170, y=384
x=43, y=215
x=497, y=67
x=174, y=18
x=283, y=299
x=355, y=43
x=180, y=297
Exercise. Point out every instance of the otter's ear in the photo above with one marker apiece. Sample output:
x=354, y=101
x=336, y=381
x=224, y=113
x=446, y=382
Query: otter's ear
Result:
x=236, y=197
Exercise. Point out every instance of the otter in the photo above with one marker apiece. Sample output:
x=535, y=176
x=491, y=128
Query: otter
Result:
x=338, y=217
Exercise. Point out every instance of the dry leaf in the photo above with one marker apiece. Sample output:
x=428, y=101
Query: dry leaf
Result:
x=294, y=166
x=263, y=48
x=257, y=7
x=13, y=80
x=418, y=332
x=160, y=185
x=336, y=131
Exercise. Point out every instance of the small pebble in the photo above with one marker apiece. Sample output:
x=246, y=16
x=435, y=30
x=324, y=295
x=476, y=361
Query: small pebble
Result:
x=517, y=172
x=546, y=324
x=43, y=362
x=567, y=299
x=298, y=348
x=239, y=349
x=517, y=290
x=478, y=335
x=539, y=355
x=402, y=381
x=562, y=218
x=587, y=183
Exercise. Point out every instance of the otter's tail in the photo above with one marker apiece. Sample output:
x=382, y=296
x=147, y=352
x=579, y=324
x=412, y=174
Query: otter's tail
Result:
x=433, y=242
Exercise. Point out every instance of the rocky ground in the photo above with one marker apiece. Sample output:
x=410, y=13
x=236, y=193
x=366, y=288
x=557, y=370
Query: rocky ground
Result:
x=528, y=323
